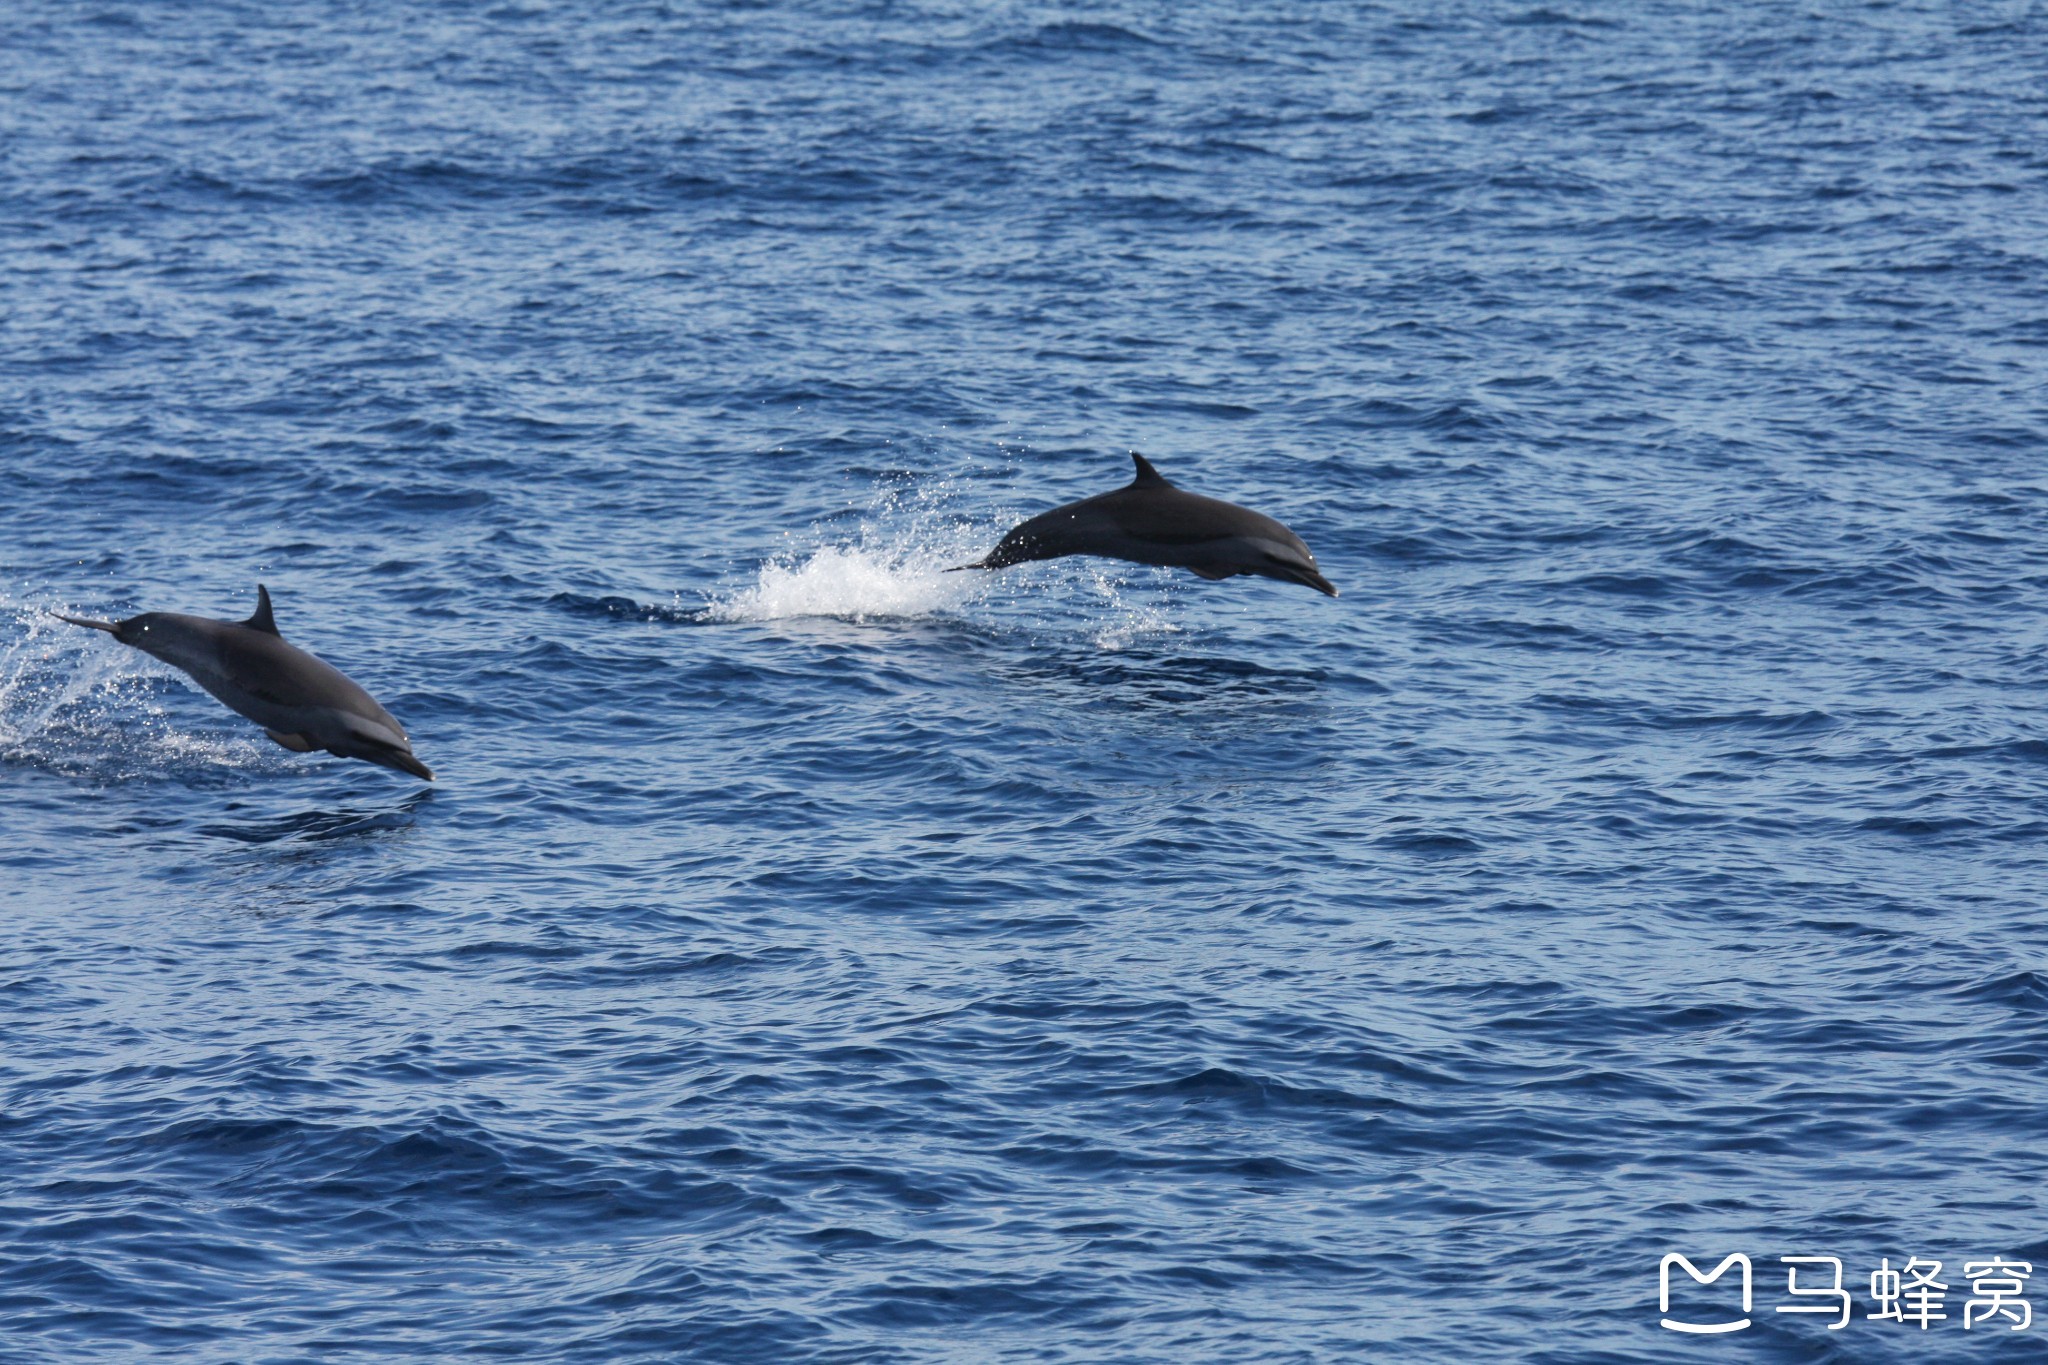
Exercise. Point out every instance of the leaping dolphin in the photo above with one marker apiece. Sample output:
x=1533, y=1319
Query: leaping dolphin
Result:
x=301, y=702
x=1149, y=521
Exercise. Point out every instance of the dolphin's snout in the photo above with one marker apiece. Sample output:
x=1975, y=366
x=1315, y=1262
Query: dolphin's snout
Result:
x=1310, y=578
x=108, y=626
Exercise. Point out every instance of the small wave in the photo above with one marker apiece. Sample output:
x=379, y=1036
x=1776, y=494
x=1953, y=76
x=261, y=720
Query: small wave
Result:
x=1081, y=36
x=615, y=608
x=2025, y=991
x=316, y=826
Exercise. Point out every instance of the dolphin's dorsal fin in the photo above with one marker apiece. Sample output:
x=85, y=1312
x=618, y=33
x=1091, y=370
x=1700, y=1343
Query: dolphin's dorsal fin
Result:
x=262, y=619
x=1148, y=477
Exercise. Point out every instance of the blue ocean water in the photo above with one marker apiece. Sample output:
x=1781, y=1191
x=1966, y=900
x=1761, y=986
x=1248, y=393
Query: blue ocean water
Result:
x=807, y=955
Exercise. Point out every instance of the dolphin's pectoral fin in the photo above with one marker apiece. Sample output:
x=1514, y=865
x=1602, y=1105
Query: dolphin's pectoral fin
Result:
x=1213, y=575
x=261, y=619
x=298, y=744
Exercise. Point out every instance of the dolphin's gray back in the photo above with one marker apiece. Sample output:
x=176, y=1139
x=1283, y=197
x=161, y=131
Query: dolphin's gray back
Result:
x=1167, y=516
x=1149, y=521
x=1162, y=526
x=1075, y=529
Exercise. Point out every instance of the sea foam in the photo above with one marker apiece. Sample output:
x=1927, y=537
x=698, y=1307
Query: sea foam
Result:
x=851, y=582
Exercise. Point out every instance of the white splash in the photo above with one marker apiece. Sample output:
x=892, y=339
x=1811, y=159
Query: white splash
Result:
x=1136, y=625
x=74, y=700
x=889, y=565
x=1126, y=617
x=850, y=582
x=892, y=565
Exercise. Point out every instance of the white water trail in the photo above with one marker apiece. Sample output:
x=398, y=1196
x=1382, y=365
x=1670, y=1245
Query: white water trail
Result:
x=850, y=582
x=892, y=567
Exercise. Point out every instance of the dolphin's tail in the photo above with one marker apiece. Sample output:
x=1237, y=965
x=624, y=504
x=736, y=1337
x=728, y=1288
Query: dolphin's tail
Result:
x=1014, y=548
x=108, y=626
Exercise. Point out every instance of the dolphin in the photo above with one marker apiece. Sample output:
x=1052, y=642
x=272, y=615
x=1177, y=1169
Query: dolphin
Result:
x=1150, y=521
x=301, y=702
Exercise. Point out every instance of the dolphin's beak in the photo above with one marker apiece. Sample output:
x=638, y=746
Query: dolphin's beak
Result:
x=389, y=757
x=108, y=626
x=958, y=567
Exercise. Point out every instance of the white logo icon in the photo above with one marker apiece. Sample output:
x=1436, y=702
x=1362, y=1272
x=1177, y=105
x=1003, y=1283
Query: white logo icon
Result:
x=1664, y=1291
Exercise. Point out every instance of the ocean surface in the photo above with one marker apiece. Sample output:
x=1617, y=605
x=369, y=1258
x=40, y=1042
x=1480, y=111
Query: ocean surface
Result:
x=808, y=955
